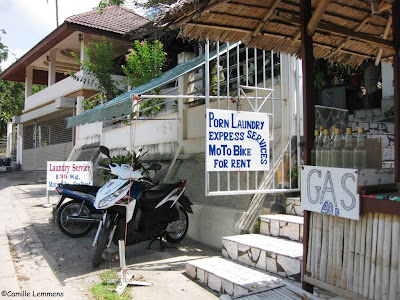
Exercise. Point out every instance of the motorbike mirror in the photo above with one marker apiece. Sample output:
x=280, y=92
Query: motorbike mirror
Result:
x=154, y=167
x=105, y=151
x=139, y=153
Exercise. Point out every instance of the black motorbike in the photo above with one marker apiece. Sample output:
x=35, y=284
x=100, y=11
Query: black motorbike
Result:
x=156, y=213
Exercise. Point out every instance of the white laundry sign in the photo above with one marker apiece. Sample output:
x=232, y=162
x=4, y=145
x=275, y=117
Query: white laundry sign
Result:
x=237, y=140
x=71, y=172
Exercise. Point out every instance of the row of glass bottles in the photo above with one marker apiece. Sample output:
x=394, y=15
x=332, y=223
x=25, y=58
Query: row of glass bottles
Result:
x=334, y=152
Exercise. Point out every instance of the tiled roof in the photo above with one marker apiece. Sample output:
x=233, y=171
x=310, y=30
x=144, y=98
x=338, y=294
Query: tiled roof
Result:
x=113, y=18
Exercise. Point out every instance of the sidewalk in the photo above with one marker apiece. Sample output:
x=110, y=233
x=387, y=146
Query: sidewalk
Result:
x=49, y=261
x=8, y=277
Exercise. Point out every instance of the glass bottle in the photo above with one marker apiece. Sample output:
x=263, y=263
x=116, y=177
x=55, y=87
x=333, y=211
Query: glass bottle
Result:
x=320, y=142
x=347, y=153
x=325, y=151
x=315, y=152
x=333, y=133
x=360, y=151
x=336, y=150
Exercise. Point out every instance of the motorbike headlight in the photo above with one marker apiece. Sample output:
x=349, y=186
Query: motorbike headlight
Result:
x=105, y=201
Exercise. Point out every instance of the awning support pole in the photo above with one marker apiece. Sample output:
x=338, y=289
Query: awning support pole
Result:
x=396, y=82
x=308, y=113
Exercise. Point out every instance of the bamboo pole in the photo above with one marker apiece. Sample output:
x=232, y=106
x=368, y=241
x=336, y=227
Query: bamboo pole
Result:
x=387, y=239
x=356, y=270
x=345, y=254
x=373, y=256
x=330, y=250
x=318, y=237
x=364, y=218
x=309, y=244
x=367, y=263
x=379, y=257
x=334, y=249
x=385, y=35
x=339, y=251
x=394, y=258
x=316, y=17
x=350, y=266
x=324, y=248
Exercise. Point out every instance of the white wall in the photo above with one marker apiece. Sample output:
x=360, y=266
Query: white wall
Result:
x=88, y=134
x=10, y=140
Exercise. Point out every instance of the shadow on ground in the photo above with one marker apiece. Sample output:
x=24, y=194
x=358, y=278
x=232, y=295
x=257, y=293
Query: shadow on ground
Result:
x=70, y=258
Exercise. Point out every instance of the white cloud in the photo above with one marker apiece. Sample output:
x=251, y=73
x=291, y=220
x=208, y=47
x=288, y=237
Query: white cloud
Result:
x=28, y=22
x=44, y=11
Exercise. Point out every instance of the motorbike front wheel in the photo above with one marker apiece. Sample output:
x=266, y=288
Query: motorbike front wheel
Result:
x=183, y=224
x=102, y=242
x=72, y=208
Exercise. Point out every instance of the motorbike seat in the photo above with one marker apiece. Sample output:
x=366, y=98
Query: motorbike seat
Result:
x=158, y=192
x=84, y=188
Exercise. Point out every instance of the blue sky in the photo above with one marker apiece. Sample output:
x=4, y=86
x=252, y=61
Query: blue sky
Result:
x=27, y=22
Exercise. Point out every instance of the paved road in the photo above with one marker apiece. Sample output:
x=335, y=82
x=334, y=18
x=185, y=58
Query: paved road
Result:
x=45, y=260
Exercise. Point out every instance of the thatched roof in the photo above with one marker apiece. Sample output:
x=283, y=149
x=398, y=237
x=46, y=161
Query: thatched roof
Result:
x=347, y=31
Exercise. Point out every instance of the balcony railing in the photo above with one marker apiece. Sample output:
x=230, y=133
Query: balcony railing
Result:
x=63, y=88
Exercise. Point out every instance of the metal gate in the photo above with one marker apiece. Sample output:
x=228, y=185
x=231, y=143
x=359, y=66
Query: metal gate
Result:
x=45, y=140
x=258, y=81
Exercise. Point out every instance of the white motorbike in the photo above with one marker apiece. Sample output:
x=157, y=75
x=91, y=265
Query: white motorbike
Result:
x=134, y=214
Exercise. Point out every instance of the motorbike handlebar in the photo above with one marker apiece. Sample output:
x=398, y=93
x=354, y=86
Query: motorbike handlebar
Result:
x=146, y=180
x=103, y=165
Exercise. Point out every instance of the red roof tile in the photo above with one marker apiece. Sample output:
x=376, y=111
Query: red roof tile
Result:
x=113, y=18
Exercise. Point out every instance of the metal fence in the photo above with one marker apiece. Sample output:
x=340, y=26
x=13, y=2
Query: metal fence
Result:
x=257, y=80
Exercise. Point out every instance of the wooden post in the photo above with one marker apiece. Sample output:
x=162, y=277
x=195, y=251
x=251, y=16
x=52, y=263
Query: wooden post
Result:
x=308, y=111
x=396, y=82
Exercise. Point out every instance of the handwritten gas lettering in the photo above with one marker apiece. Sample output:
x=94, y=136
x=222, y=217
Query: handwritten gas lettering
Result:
x=330, y=191
x=353, y=198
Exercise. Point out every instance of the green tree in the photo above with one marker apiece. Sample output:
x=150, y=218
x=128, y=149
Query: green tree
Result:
x=152, y=7
x=3, y=49
x=12, y=96
x=145, y=61
x=100, y=64
x=104, y=3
